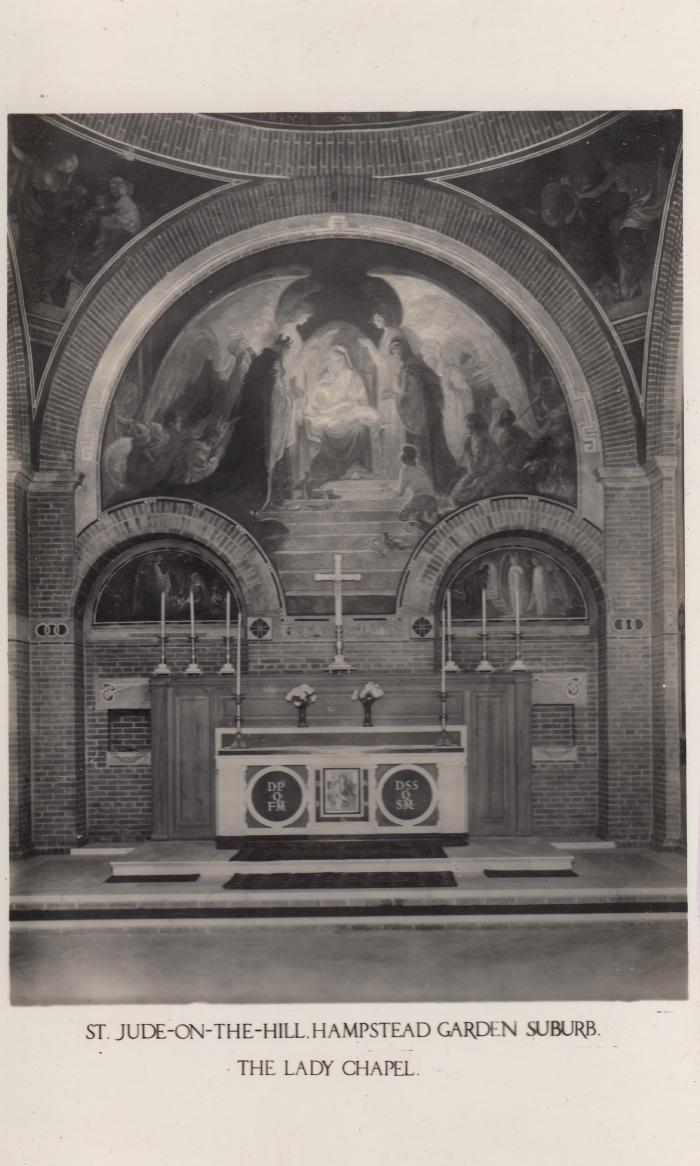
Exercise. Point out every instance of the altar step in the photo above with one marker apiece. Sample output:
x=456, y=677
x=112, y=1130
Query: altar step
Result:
x=517, y=856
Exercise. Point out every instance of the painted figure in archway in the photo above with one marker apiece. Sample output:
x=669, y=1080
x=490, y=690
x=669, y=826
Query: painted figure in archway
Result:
x=339, y=419
x=419, y=402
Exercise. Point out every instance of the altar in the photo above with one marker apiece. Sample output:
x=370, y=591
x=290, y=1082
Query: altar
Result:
x=339, y=782
x=336, y=777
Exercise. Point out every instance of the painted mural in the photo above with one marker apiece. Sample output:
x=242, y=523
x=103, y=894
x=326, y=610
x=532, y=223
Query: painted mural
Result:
x=599, y=202
x=339, y=408
x=133, y=593
x=540, y=586
x=72, y=205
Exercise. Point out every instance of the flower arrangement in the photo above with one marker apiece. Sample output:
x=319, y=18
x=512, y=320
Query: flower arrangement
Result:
x=301, y=697
x=367, y=696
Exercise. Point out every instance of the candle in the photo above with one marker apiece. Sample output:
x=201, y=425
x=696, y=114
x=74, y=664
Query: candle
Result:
x=449, y=615
x=162, y=614
x=238, y=657
x=192, y=613
x=443, y=653
x=483, y=612
x=228, y=617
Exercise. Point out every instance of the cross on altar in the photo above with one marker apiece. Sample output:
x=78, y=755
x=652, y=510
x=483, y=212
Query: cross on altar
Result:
x=339, y=664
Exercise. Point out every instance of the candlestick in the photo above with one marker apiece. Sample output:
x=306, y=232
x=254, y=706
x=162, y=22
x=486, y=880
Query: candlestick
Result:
x=238, y=654
x=518, y=664
x=450, y=666
x=442, y=650
x=192, y=668
x=162, y=669
x=239, y=741
x=227, y=668
x=485, y=665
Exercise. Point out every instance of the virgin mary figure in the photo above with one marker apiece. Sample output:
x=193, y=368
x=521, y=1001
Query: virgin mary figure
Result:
x=340, y=420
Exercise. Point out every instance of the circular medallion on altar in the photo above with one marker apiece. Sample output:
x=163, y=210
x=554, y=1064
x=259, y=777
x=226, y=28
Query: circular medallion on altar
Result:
x=407, y=794
x=276, y=796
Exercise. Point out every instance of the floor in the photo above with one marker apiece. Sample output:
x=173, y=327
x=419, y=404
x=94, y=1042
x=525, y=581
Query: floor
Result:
x=156, y=957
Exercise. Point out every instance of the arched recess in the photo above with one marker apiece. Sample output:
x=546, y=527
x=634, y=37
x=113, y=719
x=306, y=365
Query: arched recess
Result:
x=430, y=565
x=166, y=517
x=214, y=231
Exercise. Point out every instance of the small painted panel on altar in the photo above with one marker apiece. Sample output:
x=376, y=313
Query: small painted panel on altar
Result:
x=516, y=577
x=341, y=793
x=133, y=593
x=276, y=796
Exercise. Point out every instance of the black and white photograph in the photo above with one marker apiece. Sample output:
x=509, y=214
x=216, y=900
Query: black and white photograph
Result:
x=346, y=556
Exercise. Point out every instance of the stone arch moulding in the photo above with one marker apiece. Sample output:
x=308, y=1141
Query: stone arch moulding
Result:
x=663, y=356
x=215, y=230
x=457, y=532
x=200, y=525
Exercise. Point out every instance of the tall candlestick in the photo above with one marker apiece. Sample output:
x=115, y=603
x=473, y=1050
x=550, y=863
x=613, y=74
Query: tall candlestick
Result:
x=192, y=668
x=518, y=665
x=484, y=665
x=227, y=668
x=442, y=653
x=517, y=606
x=238, y=656
x=162, y=669
x=449, y=614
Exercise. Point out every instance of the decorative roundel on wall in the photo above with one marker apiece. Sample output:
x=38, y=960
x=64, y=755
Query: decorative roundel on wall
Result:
x=421, y=627
x=259, y=628
x=407, y=794
x=276, y=796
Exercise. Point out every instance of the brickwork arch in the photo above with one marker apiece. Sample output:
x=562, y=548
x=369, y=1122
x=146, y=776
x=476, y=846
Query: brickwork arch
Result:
x=423, y=578
x=158, y=517
x=461, y=230
x=227, y=147
x=662, y=365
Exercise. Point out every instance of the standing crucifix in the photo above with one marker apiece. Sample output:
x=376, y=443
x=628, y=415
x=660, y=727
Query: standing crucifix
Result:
x=339, y=664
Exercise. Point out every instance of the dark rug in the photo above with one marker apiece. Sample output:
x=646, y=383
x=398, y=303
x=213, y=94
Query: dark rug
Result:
x=325, y=850
x=332, y=880
x=154, y=878
x=530, y=874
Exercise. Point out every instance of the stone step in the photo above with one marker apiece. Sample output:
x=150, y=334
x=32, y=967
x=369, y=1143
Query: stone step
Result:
x=332, y=515
x=375, y=580
x=317, y=559
x=346, y=543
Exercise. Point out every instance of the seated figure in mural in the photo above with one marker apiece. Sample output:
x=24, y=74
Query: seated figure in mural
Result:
x=420, y=405
x=121, y=222
x=416, y=487
x=479, y=466
x=514, y=444
x=339, y=419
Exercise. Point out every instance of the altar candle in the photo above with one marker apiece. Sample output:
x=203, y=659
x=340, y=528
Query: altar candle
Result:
x=162, y=615
x=443, y=653
x=449, y=613
x=483, y=612
x=228, y=616
x=192, y=613
x=238, y=656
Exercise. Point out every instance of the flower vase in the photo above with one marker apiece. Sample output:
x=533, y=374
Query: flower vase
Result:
x=367, y=703
x=301, y=716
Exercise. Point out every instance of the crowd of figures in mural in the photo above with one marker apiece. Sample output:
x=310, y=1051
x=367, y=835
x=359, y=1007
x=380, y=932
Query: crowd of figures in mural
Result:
x=133, y=593
x=516, y=579
x=287, y=391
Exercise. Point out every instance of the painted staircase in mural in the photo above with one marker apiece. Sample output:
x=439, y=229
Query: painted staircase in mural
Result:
x=363, y=525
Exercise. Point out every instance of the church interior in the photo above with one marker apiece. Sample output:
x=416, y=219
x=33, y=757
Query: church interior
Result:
x=346, y=543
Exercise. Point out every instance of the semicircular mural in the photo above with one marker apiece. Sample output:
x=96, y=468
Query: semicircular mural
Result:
x=333, y=405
